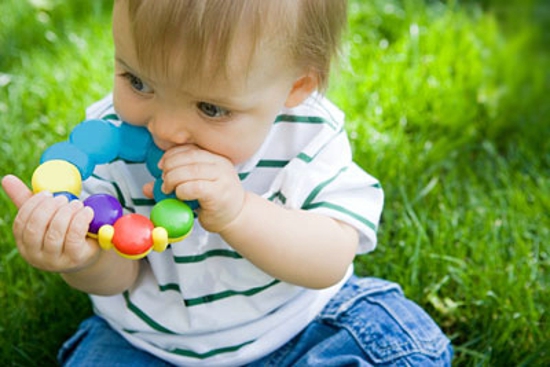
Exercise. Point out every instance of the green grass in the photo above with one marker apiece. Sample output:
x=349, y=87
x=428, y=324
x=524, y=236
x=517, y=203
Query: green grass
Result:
x=447, y=104
x=55, y=60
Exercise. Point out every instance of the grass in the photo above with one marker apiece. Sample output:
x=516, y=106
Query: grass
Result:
x=447, y=104
x=55, y=59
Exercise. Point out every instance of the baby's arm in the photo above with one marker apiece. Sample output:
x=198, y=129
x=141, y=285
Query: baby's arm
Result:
x=295, y=246
x=50, y=234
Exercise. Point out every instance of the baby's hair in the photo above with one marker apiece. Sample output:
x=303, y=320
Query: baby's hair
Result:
x=306, y=33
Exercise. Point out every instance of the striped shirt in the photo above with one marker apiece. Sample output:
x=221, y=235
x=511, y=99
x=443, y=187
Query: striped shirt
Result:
x=200, y=303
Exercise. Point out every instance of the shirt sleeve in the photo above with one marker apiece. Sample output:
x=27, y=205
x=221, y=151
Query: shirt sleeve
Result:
x=324, y=179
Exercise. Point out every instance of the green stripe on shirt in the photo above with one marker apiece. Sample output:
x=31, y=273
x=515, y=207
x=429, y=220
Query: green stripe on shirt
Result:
x=143, y=202
x=229, y=293
x=206, y=255
x=265, y=163
x=313, y=194
x=111, y=116
x=214, y=352
x=343, y=210
x=271, y=163
x=144, y=317
x=305, y=120
x=278, y=195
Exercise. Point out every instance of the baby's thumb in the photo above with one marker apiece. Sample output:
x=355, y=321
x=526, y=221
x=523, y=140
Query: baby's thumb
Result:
x=16, y=189
x=148, y=189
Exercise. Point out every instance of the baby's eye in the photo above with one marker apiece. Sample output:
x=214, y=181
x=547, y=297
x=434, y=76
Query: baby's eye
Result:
x=137, y=84
x=212, y=111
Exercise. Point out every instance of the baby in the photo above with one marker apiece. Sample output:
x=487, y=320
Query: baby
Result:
x=231, y=91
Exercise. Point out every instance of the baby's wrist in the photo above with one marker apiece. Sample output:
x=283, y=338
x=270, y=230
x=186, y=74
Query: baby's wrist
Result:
x=236, y=224
x=93, y=259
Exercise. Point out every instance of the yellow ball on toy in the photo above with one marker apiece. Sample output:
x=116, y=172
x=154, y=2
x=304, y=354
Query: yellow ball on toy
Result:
x=57, y=176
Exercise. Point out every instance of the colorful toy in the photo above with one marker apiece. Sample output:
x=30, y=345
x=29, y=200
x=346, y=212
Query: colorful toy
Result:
x=133, y=236
x=64, y=165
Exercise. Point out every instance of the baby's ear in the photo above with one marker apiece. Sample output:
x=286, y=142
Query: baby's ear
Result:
x=301, y=89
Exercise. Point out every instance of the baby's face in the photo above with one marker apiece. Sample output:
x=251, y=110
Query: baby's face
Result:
x=230, y=116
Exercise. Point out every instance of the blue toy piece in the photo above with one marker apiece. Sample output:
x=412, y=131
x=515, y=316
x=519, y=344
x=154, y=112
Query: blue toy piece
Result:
x=135, y=142
x=152, y=160
x=193, y=204
x=67, y=194
x=159, y=195
x=157, y=192
x=72, y=154
x=99, y=139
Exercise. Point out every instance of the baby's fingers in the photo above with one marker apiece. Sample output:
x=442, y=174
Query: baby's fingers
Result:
x=148, y=189
x=54, y=238
x=17, y=191
x=180, y=151
x=184, y=155
x=35, y=230
x=20, y=222
x=30, y=227
x=77, y=249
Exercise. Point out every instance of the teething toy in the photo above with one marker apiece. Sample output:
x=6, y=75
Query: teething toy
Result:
x=133, y=236
x=64, y=165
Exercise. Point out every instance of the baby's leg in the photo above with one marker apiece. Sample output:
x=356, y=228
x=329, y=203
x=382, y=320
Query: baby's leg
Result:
x=368, y=323
x=96, y=344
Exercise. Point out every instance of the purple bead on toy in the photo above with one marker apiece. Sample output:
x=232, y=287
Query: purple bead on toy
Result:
x=107, y=210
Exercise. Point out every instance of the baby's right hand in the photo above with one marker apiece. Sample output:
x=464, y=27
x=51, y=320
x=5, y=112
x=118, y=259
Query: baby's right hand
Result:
x=50, y=232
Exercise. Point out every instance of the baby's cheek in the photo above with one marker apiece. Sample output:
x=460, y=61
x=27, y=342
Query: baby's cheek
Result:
x=128, y=109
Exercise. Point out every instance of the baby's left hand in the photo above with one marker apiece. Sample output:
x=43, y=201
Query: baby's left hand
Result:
x=196, y=174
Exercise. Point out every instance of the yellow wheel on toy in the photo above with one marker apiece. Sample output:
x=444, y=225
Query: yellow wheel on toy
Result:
x=57, y=176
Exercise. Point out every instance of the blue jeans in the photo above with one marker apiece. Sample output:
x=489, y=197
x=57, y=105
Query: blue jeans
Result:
x=368, y=323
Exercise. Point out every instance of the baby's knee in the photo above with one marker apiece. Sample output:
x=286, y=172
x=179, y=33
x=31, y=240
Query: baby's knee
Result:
x=388, y=328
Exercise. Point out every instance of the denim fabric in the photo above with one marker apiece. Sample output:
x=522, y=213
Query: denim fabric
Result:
x=95, y=344
x=368, y=323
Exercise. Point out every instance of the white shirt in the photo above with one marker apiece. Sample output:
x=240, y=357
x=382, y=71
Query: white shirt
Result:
x=200, y=303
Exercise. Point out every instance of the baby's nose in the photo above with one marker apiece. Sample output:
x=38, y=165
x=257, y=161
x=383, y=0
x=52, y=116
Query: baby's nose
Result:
x=168, y=133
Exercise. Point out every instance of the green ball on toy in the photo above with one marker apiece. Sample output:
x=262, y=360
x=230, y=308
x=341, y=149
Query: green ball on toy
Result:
x=175, y=216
